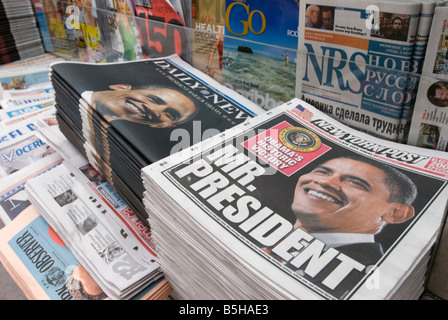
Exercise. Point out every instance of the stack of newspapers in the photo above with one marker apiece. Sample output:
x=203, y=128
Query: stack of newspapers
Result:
x=98, y=256
x=74, y=200
x=19, y=34
x=362, y=61
x=21, y=104
x=125, y=116
x=294, y=205
x=428, y=126
x=62, y=277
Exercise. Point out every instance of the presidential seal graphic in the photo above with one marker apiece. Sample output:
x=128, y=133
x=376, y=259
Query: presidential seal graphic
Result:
x=300, y=139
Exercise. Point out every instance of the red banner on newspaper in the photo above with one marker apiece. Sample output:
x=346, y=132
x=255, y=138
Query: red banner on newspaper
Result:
x=286, y=148
x=438, y=165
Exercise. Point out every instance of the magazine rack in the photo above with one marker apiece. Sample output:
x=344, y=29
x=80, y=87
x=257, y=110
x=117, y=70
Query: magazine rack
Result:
x=268, y=80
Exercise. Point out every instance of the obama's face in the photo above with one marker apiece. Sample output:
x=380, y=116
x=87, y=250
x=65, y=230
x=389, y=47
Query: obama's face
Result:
x=156, y=107
x=345, y=195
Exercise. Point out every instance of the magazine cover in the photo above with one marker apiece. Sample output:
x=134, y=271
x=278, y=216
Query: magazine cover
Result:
x=56, y=27
x=94, y=49
x=118, y=25
x=260, y=45
x=161, y=29
x=43, y=25
x=358, y=70
x=69, y=13
x=208, y=37
x=349, y=204
x=205, y=105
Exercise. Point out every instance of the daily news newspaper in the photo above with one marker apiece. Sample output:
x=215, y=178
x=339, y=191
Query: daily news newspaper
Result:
x=356, y=67
x=138, y=130
x=291, y=193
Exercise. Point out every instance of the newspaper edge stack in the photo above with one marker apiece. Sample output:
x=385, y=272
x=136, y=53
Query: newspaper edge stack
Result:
x=201, y=230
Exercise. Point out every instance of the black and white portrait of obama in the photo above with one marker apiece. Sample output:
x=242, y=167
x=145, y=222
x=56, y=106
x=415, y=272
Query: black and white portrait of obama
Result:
x=358, y=206
x=155, y=106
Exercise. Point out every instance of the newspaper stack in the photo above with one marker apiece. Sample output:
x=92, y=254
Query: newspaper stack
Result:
x=294, y=205
x=24, y=104
x=429, y=124
x=24, y=155
x=113, y=252
x=65, y=279
x=24, y=152
x=359, y=56
x=19, y=34
x=429, y=120
x=125, y=116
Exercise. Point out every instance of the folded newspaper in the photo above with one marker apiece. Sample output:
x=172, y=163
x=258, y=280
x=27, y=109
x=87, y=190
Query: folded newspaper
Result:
x=13, y=198
x=41, y=264
x=429, y=120
x=45, y=269
x=294, y=205
x=21, y=103
x=63, y=277
x=356, y=61
x=21, y=147
x=138, y=112
x=111, y=245
x=29, y=103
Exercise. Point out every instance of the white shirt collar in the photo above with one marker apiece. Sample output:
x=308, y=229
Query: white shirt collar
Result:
x=87, y=96
x=339, y=239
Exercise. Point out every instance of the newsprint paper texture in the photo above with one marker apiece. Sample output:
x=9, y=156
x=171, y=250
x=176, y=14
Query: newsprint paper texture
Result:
x=429, y=119
x=436, y=60
x=357, y=68
x=39, y=260
x=240, y=186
